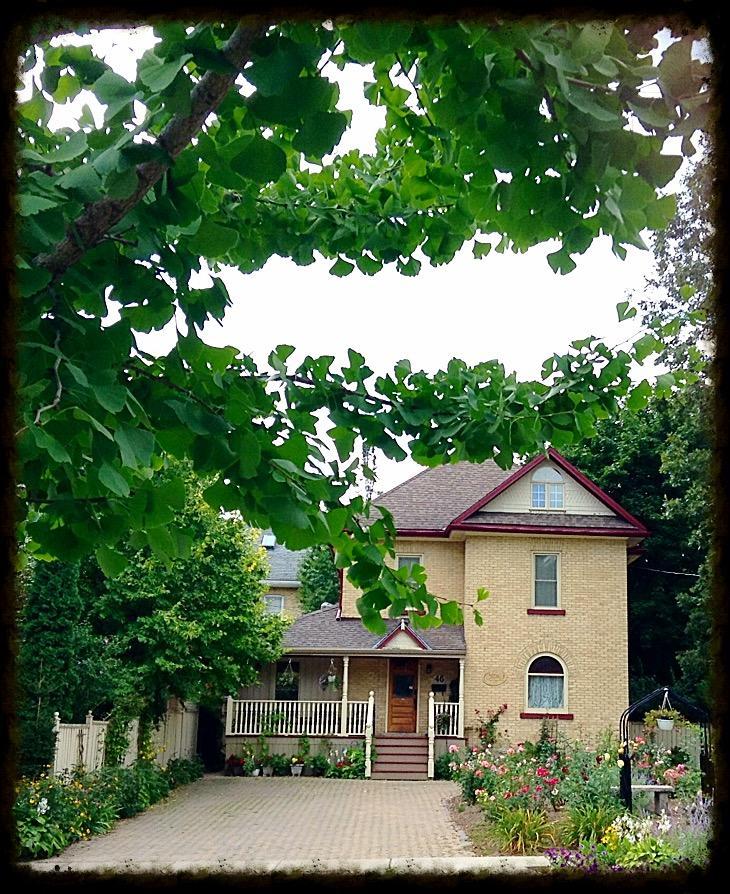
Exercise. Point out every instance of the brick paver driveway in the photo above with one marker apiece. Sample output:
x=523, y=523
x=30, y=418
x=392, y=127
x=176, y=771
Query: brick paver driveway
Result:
x=232, y=819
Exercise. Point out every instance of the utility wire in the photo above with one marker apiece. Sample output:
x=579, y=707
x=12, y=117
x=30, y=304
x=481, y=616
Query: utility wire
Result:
x=662, y=571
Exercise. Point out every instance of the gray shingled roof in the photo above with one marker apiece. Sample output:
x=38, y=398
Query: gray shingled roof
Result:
x=435, y=497
x=550, y=520
x=321, y=630
x=284, y=562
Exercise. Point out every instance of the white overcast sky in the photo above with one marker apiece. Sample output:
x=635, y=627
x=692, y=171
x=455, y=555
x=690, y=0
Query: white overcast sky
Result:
x=509, y=307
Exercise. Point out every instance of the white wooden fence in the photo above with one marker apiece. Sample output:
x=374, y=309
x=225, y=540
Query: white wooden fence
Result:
x=82, y=744
x=688, y=739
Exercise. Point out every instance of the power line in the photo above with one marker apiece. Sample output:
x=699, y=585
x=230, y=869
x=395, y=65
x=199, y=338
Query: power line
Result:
x=662, y=571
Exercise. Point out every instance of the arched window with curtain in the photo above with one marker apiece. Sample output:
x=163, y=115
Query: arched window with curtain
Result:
x=548, y=489
x=545, y=683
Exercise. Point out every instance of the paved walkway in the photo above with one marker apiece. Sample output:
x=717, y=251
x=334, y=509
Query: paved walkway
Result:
x=285, y=823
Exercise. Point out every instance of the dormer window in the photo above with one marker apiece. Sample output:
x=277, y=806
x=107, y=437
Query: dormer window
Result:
x=268, y=541
x=547, y=489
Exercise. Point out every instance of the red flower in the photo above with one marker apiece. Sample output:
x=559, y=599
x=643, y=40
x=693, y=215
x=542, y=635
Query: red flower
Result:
x=542, y=771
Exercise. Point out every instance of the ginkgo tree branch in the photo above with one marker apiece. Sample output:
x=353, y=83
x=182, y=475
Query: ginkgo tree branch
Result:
x=95, y=222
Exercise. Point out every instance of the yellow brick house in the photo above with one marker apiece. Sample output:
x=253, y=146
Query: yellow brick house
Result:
x=551, y=548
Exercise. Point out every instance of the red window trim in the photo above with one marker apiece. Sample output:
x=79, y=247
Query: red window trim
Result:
x=545, y=611
x=532, y=715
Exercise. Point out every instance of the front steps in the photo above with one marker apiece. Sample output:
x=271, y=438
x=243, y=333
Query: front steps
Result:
x=400, y=756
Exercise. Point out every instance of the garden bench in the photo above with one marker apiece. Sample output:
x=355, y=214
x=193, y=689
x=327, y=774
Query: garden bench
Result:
x=661, y=794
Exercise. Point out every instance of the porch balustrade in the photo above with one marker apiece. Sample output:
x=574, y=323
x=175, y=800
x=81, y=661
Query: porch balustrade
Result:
x=293, y=718
x=446, y=718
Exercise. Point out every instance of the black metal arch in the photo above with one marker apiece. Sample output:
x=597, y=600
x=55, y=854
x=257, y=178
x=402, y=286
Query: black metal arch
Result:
x=692, y=712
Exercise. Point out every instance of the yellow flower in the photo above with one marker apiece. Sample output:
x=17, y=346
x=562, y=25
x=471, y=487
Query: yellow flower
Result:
x=620, y=763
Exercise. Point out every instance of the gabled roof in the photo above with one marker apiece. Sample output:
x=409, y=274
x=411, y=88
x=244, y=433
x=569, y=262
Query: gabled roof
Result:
x=322, y=631
x=450, y=498
x=284, y=562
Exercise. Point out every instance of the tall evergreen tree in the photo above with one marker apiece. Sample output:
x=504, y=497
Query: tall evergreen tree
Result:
x=319, y=579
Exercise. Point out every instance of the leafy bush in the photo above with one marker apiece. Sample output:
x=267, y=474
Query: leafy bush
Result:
x=588, y=822
x=442, y=766
x=181, y=771
x=318, y=764
x=280, y=764
x=52, y=812
x=521, y=829
x=649, y=853
x=350, y=765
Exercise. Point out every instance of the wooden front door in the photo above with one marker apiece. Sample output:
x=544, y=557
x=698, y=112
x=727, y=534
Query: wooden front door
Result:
x=403, y=695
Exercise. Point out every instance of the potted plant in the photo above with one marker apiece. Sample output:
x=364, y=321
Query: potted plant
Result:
x=663, y=718
x=317, y=764
x=297, y=765
x=267, y=765
x=234, y=766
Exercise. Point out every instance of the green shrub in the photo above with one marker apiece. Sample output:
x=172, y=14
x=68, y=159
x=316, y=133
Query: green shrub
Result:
x=521, y=829
x=586, y=823
x=351, y=765
x=442, y=766
x=318, y=764
x=649, y=853
x=181, y=771
x=280, y=764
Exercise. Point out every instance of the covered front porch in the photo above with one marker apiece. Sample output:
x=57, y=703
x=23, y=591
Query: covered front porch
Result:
x=307, y=695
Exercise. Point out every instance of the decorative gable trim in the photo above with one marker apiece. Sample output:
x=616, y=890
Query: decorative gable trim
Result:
x=402, y=628
x=460, y=521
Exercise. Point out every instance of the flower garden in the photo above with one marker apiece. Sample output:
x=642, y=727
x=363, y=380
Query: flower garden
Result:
x=52, y=812
x=560, y=798
x=337, y=763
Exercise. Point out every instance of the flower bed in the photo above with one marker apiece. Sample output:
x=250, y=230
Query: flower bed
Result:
x=561, y=798
x=51, y=812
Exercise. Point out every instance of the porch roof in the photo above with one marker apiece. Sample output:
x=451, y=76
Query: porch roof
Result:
x=321, y=631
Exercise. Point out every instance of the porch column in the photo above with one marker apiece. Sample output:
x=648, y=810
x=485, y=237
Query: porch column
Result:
x=460, y=726
x=343, y=713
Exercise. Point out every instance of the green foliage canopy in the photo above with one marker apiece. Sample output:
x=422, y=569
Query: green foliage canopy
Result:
x=318, y=578
x=520, y=131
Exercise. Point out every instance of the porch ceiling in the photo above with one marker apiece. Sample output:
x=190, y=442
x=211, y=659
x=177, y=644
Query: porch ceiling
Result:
x=321, y=632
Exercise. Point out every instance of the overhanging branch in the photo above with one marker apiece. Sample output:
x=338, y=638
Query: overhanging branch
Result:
x=97, y=219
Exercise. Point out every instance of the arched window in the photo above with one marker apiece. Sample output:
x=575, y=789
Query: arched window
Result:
x=545, y=683
x=547, y=489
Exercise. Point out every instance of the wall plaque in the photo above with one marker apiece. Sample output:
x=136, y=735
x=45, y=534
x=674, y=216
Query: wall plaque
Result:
x=494, y=678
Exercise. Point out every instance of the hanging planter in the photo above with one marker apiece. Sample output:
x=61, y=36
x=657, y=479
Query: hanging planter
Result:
x=664, y=717
x=330, y=680
x=665, y=723
x=288, y=677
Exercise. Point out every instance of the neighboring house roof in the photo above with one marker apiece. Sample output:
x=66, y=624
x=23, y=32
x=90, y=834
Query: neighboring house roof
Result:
x=284, y=563
x=449, y=498
x=322, y=631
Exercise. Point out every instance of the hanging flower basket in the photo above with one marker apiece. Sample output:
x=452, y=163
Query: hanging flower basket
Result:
x=665, y=723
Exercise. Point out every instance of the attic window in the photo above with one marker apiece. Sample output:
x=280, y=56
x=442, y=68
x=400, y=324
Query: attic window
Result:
x=547, y=489
x=268, y=541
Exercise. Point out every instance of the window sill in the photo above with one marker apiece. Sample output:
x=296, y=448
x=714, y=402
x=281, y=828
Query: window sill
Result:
x=545, y=611
x=540, y=715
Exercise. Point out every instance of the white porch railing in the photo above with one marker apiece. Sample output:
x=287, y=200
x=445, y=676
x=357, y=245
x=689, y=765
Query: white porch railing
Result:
x=293, y=718
x=446, y=718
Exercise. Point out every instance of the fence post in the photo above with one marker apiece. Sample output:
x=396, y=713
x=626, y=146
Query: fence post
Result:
x=229, y=716
x=56, y=732
x=431, y=730
x=460, y=709
x=369, y=734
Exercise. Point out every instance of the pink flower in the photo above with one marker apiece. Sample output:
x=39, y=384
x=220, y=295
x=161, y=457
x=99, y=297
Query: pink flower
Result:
x=479, y=773
x=538, y=788
x=525, y=789
x=541, y=771
x=520, y=747
x=508, y=794
x=552, y=781
x=453, y=749
x=510, y=751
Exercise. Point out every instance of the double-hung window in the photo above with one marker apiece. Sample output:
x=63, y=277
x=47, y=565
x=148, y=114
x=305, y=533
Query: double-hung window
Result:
x=274, y=604
x=546, y=579
x=409, y=561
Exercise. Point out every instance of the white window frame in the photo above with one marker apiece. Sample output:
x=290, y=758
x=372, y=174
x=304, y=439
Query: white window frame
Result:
x=550, y=488
x=533, y=596
x=399, y=556
x=279, y=596
x=532, y=709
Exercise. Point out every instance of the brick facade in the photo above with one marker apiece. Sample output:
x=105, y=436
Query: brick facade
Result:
x=590, y=638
